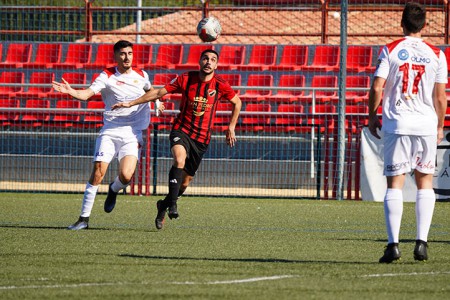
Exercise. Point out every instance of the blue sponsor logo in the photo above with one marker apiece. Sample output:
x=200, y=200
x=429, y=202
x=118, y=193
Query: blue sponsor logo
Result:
x=403, y=54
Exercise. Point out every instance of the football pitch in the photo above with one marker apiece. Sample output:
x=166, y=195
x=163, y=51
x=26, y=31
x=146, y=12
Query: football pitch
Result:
x=219, y=248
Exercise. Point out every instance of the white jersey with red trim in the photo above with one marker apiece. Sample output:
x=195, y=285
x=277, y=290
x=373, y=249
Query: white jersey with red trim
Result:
x=116, y=87
x=411, y=67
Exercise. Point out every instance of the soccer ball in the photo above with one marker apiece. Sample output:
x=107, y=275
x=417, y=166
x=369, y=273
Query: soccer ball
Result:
x=209, y=29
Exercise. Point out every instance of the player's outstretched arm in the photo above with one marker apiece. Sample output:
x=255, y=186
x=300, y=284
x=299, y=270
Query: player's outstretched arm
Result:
x=151, y=95
x=230, y=133
x=65, y=88
x=375, y=94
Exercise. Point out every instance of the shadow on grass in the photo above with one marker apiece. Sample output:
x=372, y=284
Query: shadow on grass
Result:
x=250, y=260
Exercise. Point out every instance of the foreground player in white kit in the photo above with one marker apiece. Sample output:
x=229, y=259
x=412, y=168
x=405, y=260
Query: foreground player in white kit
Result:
x=414, y=102
x=121, y=135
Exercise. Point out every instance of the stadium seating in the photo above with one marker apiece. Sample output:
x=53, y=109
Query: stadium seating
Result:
x=223, y=116
x=92, y=119
x=67, y=118
x=261, y=58
x=359, y=59
x=257, y=120
x=11, y=78
x=46, y=55
x=257, y=80
x=319, y=82
x=447, y=118
x=17, y=55
x=104, y=57
x=447, y=57
x=355, y=96
x=288, y=95
x=38, y=91
x=7, y=118
x=36, y=118
x=192, y=61
x=165, y=120
x=142, y=55
x=161, y=79
x=168, y=56
x=230, y=57
x=326, y=58
x=77, y=56
x=356, y=117
x=288, y=119
x=293, y=58
x=233, y=79
x=322, y=116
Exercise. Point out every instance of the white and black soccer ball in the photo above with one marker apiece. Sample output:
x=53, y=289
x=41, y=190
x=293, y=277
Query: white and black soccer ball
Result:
x=209, y=29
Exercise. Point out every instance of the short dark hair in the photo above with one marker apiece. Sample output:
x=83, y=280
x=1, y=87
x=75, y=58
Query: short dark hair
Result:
x=209, y=51
x=122, y=44
x=414, y=17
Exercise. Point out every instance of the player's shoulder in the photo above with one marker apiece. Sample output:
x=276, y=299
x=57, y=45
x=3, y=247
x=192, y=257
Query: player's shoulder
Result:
x=392, y=45
x=109, y=71
x=436, y=50
x=140, y=72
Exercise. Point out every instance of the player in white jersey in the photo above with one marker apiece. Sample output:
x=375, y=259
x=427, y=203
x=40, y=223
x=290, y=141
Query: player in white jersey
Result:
x=414, y=76
x=121, y=135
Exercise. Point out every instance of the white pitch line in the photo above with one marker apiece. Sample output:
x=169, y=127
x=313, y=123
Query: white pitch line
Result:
x=57, y=286
x=236, y=281
x=405, y=274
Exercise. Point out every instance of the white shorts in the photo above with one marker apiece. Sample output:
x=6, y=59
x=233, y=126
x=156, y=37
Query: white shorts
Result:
x=403, y=153
x=117, y=142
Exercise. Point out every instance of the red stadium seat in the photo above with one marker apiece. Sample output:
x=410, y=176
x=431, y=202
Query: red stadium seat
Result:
x=289, y=118
x=46, y=55
x=161, y=79
x=261, y=58
x=67, y=118
x=77, y=56
x=17, y=55
x=288, y=95
x=359, y=59
x=11, y=78
x=192, y=61
x=326, y=58
x=93, y=117
x=447, y=118
x=168, y=57
x=257, y=120
x=223, y=116
x=230, y=57
x=293, y=58
x=165, y=120
x=233, y=79
x=257, y=80
x=142, y=55
x=356, y=117
x=38, y=91
x=7, y=118
x=355, y=96
x=321, y=81
x=323, y=116
x=447, y=57
x=104, y=57
x=36, y=118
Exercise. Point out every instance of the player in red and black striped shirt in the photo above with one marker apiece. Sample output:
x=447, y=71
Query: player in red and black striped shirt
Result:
x=191, y=132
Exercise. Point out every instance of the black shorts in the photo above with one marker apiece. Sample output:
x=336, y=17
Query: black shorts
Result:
x=194, y=150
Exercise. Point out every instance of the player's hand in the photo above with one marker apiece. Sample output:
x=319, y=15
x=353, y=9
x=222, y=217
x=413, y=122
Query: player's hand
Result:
x=230, y=137
x=374, y=124
x=63, y=87
x=120, y=104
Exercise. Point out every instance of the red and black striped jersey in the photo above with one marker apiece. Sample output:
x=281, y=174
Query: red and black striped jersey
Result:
x=199, y=103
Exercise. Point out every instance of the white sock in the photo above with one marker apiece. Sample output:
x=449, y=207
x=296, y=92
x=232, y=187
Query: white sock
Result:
x=393, y=210
x=88, y=199
x=118, y=185
x=425, y=201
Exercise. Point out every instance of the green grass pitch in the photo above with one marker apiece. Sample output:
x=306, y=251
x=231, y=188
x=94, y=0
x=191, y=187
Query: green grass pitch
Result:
x=219, y=248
